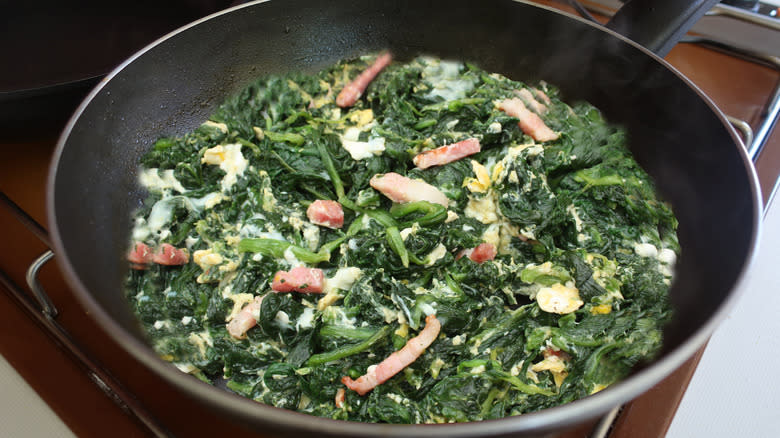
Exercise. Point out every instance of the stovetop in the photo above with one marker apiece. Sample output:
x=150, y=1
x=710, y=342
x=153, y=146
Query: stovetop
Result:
x=94, y=370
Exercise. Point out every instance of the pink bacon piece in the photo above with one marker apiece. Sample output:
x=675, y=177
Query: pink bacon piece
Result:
x=299, y=279
x=402, y=189
x=169, y=255
x=541, y=96
x=139, y=256
x=529, y=122
x=447, y=154
x=352, y=92
x=397, y=361
x=481, y=253
x=245, y=319
x=326, y=213
x=532, y=104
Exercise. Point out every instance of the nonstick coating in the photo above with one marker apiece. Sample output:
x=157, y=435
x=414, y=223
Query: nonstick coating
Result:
x=172, y=86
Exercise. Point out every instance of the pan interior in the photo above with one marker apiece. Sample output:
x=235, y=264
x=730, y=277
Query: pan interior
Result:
x=174, y=85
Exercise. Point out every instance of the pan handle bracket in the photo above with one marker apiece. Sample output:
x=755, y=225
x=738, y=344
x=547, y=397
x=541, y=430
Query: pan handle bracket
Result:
x=606, y=423
x=744, y=129
x=47, y=306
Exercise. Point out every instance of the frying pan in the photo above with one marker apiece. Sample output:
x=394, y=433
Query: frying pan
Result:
x=676, y=133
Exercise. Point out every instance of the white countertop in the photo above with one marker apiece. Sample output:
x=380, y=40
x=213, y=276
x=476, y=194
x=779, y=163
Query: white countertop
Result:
x=735, y=391
x=22, y=412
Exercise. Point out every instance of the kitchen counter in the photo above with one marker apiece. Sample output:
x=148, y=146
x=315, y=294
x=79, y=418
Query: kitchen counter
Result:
x=733, y=392
x=64, y=397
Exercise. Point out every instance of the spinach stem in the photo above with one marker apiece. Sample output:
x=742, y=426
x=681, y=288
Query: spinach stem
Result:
x=277, y=248
x=380, y=216
x=282, y=162
x=453, y=105
x=493, y=369
x=397, y=244
x=425, y=123
x=331, y=169
x=519, y=384
x=336, y=331
x=433, y=213
x=340, y=353
x=287, y=137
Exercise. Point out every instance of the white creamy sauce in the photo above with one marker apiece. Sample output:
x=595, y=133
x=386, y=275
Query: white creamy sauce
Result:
x=290, y=257
x=282, y=319
x=572, y=210
x=428, y=309
x=646, y=250
x=667, y=256
x=444, y=76
x=155, y=180
x=162, y=324
x=207, y=201
x=306, y=320
x=360, y=150
x=335, y=315
x=161, y=215
x=436, y=254
x=343, y=279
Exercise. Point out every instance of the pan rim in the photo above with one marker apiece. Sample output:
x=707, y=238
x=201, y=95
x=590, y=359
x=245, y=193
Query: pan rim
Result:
x=565, y=415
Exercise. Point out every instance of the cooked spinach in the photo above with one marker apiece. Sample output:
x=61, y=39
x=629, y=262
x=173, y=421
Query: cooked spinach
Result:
x=575, y=223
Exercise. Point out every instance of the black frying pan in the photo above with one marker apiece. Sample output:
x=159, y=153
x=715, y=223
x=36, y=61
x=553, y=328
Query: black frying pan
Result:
x=172, y=86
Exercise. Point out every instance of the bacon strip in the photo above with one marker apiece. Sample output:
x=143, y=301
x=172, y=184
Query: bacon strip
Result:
x=326, y=213
x=402, y=189
x=529, y=122
x=481, y=253
x=139, y=256
x=530, y=101
x=447, y=154
x=169, y=255
x=378, y=374
x=352, y=92
x=541, y=96
x=245, y=319
x=299, y=279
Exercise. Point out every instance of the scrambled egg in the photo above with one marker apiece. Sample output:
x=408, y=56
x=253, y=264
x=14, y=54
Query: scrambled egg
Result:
x=559, y=299
x=481, y=183
x=230, y=159
x=361, y=117
x=206, y=258
x=555, y=365
x=482, y=209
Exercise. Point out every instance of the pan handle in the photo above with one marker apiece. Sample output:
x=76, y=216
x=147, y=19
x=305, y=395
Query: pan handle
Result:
x=658, y=24
x=107, y=383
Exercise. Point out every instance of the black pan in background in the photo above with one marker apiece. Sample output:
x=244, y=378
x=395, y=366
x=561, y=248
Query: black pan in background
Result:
x=54, y=52
x=676, y=133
